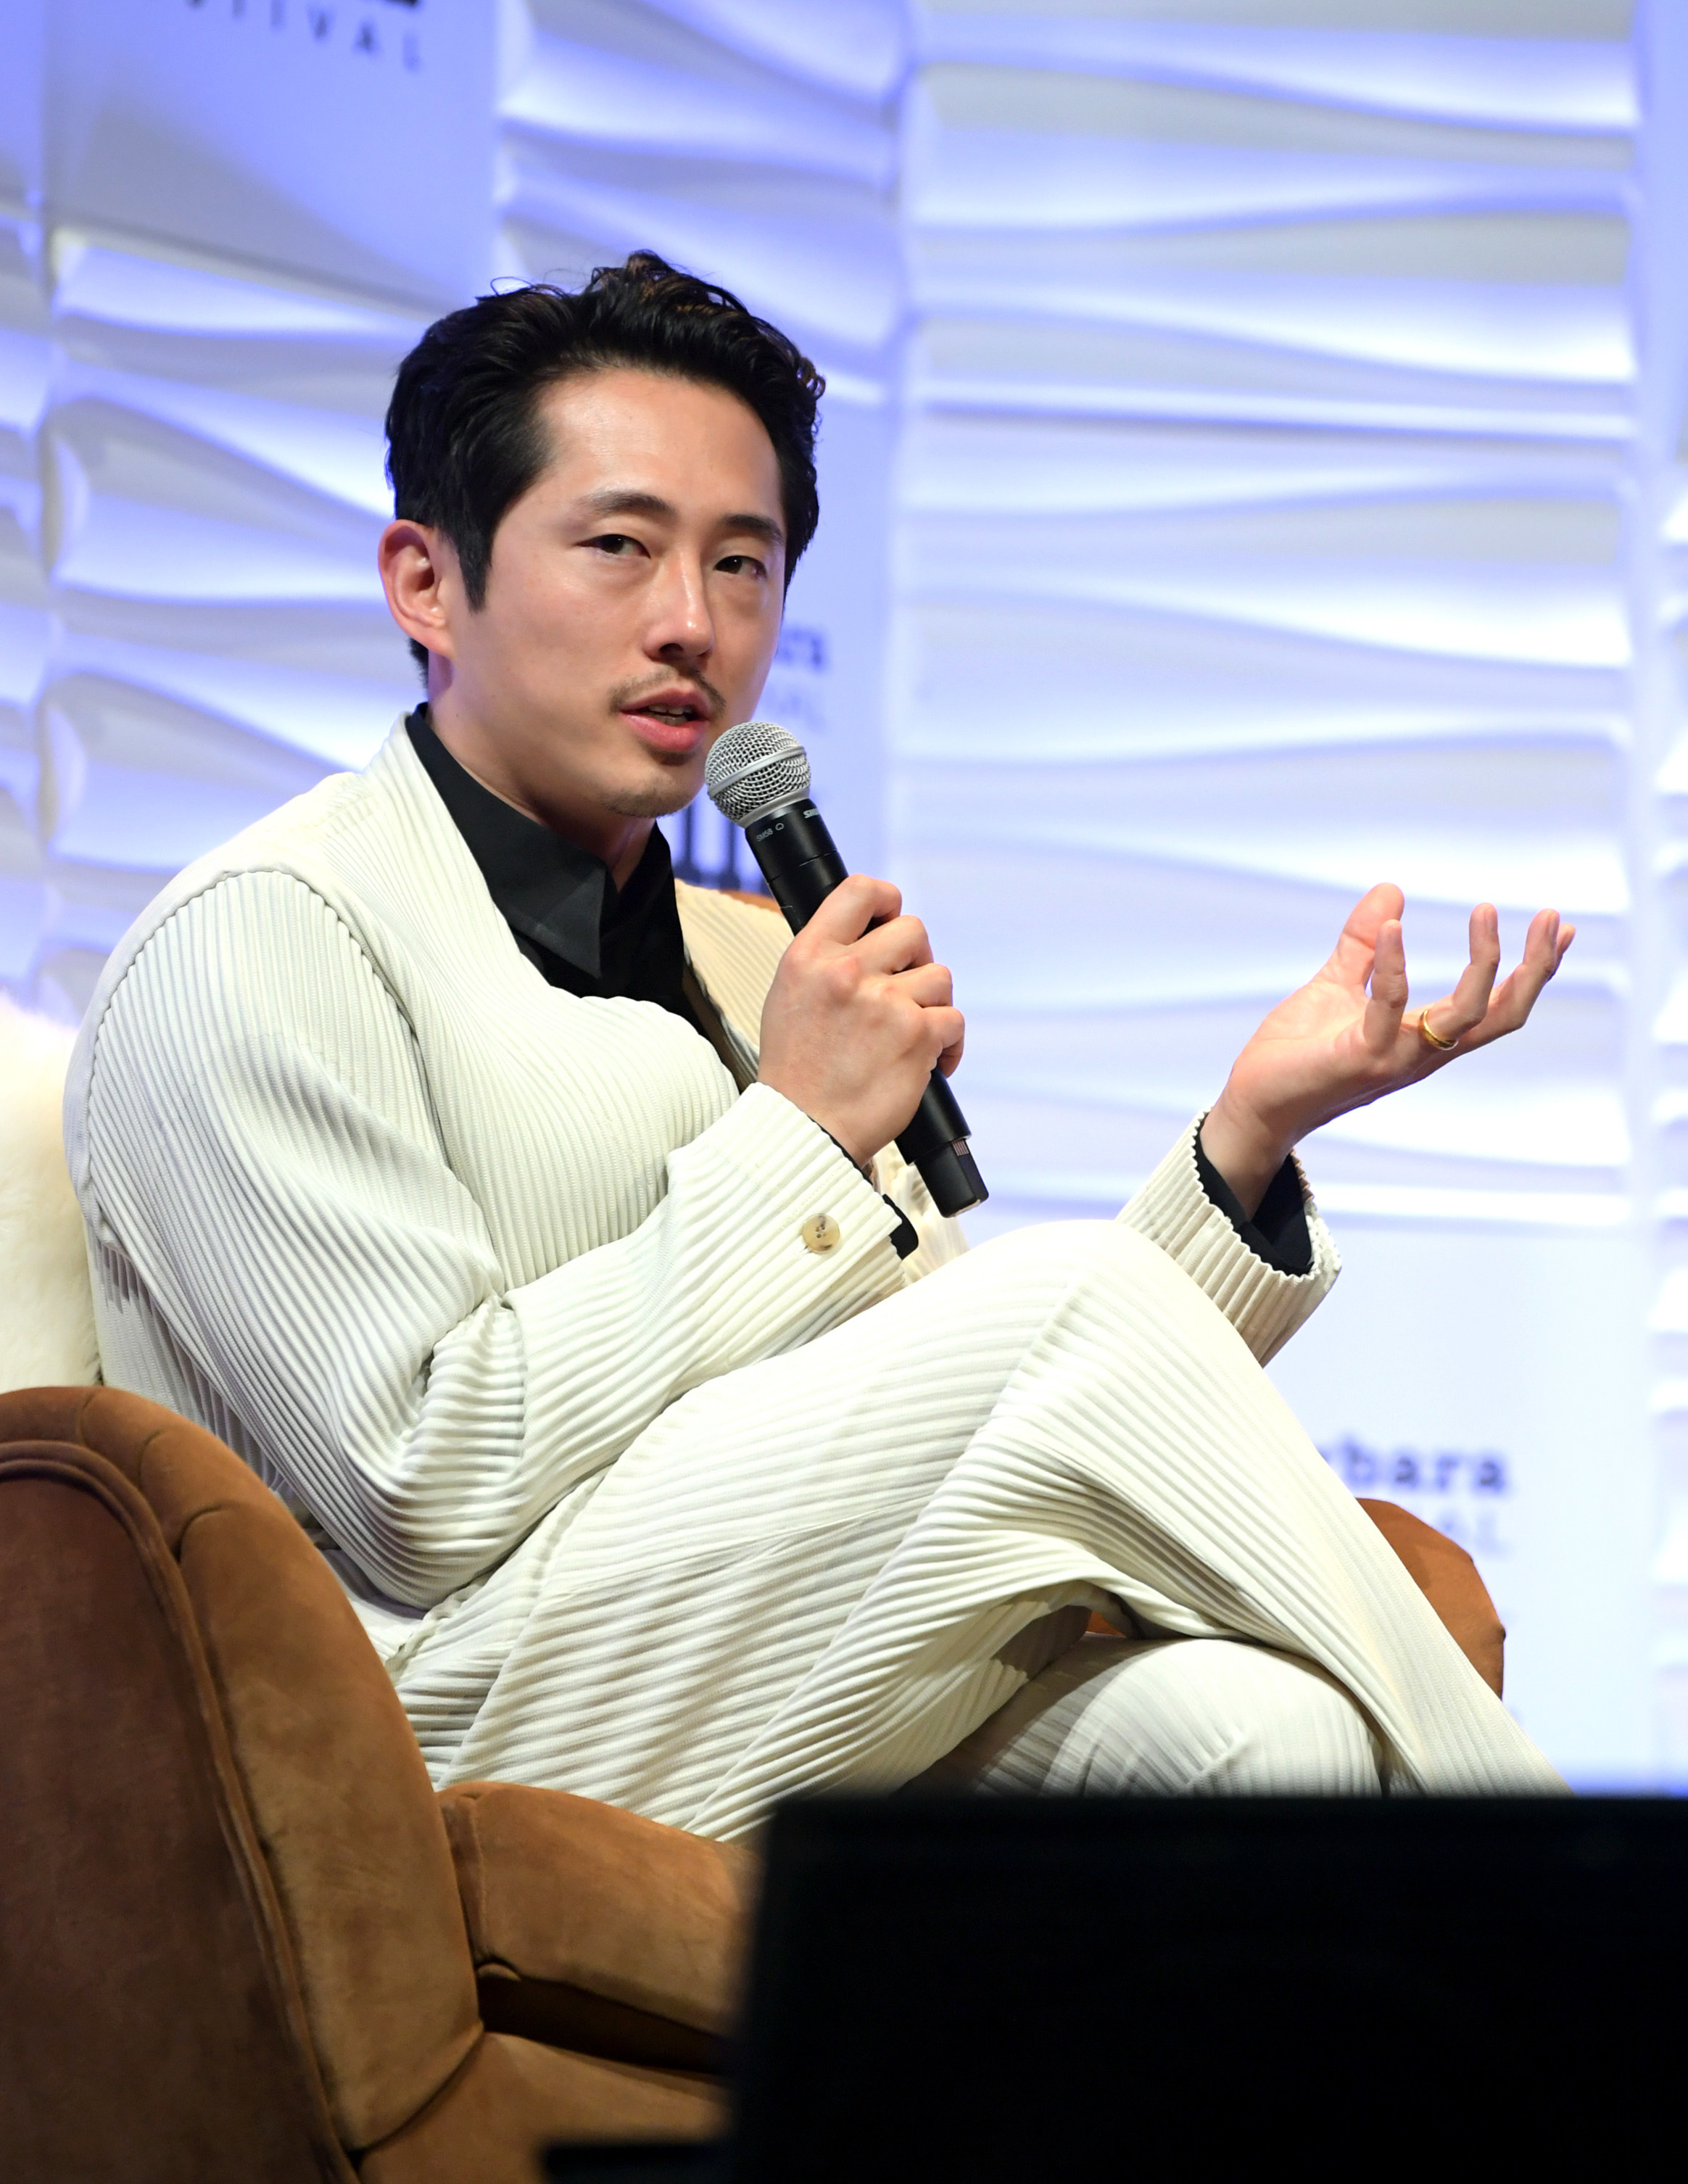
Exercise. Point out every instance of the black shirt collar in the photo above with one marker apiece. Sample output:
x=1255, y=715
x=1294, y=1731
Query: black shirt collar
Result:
x=544, y=885
x=568, y=917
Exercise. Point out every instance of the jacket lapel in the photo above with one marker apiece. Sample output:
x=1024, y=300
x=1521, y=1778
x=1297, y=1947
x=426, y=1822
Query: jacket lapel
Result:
x=734, y=950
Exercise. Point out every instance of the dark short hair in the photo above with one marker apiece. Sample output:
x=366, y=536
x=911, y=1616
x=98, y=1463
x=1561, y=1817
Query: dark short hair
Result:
x=463, y=434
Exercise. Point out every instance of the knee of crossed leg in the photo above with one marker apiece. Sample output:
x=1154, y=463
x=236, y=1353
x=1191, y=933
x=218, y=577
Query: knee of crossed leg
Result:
x=1288, y=1729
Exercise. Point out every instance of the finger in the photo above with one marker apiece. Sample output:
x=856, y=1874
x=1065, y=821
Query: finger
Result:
x=928, y=984
x=853, y=906
x=1540, y=961
x=1544, y=951
x=1350, y=959
x=947, y=1030
x=1467, y=1005
x=1382, y=1021
x=899, y=944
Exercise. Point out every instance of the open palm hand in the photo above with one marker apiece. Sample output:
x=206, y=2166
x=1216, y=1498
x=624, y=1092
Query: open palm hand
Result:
x=1345, y=1040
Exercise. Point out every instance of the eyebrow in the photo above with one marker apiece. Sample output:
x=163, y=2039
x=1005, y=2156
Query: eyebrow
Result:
x=619, y=500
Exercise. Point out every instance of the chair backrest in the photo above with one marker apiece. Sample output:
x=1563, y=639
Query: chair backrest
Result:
x=183, y=1661
x=150, y=2025
x=46, y=1311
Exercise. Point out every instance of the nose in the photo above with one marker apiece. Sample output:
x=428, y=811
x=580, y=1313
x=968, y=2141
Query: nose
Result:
x=681, y=628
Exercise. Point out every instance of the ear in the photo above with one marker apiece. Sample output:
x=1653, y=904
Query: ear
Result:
x=424, y=587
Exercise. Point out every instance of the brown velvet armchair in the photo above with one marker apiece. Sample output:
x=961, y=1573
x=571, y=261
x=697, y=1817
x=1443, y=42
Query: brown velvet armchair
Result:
x=240, y=1936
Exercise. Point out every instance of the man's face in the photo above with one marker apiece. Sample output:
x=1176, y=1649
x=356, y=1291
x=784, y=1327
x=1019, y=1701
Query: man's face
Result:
x=632, y=604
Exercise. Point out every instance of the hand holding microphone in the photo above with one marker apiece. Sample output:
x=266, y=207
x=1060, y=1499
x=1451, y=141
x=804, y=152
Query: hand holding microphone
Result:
x=860, y=1027
x=857, y=1019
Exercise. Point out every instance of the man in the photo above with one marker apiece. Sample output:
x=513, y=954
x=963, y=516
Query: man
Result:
x=532, y=1225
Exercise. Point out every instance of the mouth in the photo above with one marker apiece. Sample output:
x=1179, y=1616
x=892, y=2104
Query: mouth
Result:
x=671, y=722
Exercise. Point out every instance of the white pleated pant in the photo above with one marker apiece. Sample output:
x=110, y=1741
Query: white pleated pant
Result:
x=1180, y=1717
x=821, y=1571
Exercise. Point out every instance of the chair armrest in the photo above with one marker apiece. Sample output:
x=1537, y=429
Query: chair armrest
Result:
x=585, y=1897
x=1447, y=1577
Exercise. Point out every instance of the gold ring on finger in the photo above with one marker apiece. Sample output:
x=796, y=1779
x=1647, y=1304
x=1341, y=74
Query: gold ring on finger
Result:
x=1430, y=1038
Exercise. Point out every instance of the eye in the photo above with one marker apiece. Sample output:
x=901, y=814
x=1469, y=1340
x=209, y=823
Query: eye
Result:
x=615, y=543
x=742, y=565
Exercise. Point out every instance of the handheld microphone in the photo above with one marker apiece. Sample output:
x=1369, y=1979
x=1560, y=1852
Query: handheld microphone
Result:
x=758, y=777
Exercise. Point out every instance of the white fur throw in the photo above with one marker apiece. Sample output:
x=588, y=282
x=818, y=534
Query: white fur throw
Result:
x=47, y=1315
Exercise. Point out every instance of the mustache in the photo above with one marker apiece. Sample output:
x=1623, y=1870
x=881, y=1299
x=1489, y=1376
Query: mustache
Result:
x=708, y=697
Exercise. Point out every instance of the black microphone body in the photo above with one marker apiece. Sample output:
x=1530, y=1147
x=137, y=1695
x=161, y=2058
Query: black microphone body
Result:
x=801, y=865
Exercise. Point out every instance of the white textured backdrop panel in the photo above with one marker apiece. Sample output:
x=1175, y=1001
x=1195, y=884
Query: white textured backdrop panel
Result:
x=202, y=294
x=212, y=461
x=277, y=132
x=1275, y=515
x=1325, y=584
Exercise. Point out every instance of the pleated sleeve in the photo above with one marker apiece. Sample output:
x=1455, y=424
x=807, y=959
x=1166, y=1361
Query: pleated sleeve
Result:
x=261, y=1150
x=1264, y=1305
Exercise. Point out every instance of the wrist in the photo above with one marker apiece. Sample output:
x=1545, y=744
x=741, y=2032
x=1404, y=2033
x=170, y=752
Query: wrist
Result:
x=1245, y=1152
x=828, y=1124
x=863, y=1168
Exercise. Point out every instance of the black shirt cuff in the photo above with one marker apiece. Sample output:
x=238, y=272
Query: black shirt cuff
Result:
x=905, y=1238
x=1278, y=1234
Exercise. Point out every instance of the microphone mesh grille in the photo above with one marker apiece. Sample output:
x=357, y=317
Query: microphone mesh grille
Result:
x=755, y=768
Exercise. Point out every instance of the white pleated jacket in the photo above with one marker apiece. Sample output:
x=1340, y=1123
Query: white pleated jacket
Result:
x=431, y=1242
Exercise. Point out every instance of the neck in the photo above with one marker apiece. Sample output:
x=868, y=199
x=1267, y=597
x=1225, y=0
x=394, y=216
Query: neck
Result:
x=614, y=838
